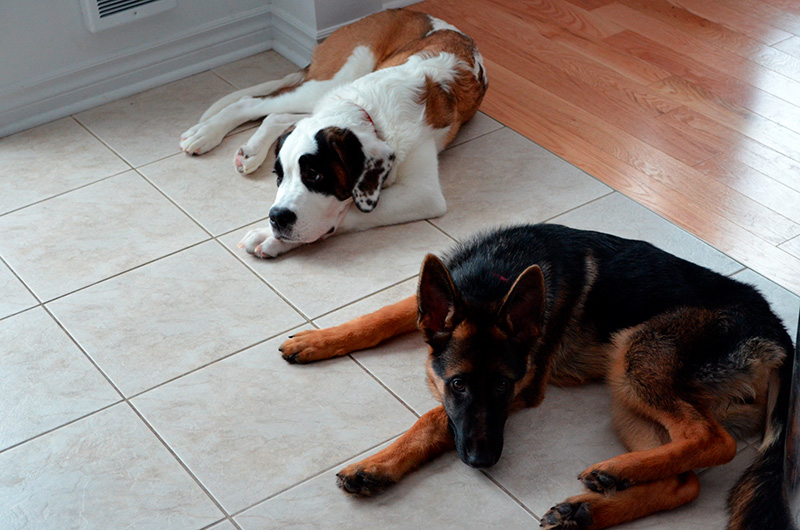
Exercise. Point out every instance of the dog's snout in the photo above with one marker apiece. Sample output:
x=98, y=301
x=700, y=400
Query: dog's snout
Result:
x=481, y=458
x=281, y=218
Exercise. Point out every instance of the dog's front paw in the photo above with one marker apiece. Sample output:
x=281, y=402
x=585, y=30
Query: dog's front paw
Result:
x=603, y=481
x=249, y=158
x=201, y=138
x=363, y=480
x=312, y=345
x=567, y=516
x=260, y=243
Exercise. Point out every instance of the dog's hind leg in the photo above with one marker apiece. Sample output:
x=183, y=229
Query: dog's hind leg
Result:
x=592, y=511
x=363, y=332
x=425, y=440
x=297, y=99
x=647, y=378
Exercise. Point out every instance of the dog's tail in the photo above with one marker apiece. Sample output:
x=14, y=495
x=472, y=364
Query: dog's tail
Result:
x=758, y=501
x=264, y=89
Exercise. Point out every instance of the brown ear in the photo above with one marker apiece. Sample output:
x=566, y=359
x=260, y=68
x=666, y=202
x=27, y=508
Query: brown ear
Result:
x=523, y=307
x=437, y=299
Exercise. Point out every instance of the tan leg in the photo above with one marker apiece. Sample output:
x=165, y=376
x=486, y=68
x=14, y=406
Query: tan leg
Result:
x=358, y=334
x=427, y=439
x=592, y=511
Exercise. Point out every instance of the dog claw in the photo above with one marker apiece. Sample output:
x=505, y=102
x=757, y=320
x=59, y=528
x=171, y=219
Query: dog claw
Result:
x=567, y=516
x=603, y=482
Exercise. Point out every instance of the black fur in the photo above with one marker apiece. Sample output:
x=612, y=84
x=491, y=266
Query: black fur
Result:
x=633, y=282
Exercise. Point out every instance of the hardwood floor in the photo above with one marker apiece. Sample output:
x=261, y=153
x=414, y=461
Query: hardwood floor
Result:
x=689, y=107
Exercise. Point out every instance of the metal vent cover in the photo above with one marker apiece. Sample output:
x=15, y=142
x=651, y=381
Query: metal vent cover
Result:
x=104, y=14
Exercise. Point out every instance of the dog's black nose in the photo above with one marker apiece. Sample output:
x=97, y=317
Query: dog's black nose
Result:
x=481, y=460
x=281, y=218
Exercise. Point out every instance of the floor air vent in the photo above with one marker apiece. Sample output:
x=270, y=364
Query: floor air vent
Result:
x=104, y=14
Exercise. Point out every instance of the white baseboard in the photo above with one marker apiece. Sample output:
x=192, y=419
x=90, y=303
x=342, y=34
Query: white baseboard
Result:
x=396, y=4
x=292, y=38
x=44, y=100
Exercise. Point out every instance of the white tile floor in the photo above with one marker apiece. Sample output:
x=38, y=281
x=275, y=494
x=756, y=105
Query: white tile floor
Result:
x=140, y=383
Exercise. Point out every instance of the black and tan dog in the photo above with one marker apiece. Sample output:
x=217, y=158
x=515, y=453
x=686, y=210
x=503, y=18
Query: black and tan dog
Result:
x=693, y=359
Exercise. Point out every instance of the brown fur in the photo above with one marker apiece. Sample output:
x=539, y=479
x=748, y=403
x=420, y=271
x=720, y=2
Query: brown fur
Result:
x=670, y=423
x=385, y=33
x=394, y=36
x=428, y=438
x=364, y=332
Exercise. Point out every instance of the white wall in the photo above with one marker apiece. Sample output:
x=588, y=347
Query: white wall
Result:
x=51, y=65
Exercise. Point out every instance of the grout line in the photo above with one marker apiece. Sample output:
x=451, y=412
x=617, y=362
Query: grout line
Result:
x=455, y=240
x=213, y=71
x=315, y=475
x=85, y=353
x=385, y=387
x=174, y=203
x=370, y=295
x=513, y=497
x=19, y=278
x=17, y=313
x=264, y=280
x=75, y=117
x=180, y=461
x=739, y=270
x=452, y=146
x=215, y=361
x=117, y=274
x=59, y=427
x=587, y=203
x=59, y=194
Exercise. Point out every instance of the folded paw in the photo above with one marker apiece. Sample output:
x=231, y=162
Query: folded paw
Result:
x=567, y=516
x=201, y=138
x=311, y=345
x=260, y=243
x=363, y=481
x=249, y=158
x=603, y=481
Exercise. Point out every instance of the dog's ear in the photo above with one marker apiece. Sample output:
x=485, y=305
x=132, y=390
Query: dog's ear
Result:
x=378, y=161
x=438, y=300
x=522, y=310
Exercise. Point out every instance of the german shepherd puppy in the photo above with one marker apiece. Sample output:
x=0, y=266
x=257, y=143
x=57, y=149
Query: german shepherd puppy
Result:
x=693, y=359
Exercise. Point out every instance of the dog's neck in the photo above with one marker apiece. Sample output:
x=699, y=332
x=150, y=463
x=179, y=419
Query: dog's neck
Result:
x=368, y=118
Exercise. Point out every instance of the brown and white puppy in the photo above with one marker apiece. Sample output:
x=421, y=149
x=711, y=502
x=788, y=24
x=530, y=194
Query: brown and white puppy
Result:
x=382, y=96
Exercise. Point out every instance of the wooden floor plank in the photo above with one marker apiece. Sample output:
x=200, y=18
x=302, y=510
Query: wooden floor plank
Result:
x=615, y=101
x=652, y=164
x=706, y=84
x=754, y=184
x=724, y=138
x=791, y=46
x=593, y=48
x=762, y=11
x=687, y=211
x=722, y=60
x=565, y=15
x=753, y=27
x=594, y=88
x=718, y=35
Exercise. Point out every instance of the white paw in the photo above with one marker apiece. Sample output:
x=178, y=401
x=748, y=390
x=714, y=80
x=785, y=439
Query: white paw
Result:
x=260, y=243
x=201, y=138
x=248, y=159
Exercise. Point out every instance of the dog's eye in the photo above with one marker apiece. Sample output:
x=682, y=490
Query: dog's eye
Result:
x=502, y=386
x=313, y=177
x=278, y=170
x=458, y=385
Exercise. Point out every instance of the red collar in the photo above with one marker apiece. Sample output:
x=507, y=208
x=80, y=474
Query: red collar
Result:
x=368, y=117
